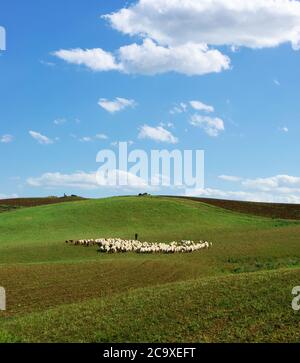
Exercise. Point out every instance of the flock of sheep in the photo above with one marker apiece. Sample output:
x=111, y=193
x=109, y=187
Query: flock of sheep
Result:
x=115, y=245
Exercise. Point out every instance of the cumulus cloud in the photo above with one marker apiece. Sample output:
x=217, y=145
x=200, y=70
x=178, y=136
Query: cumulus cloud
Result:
x=278, y=189
x=195, y=105
x=157, y=134
x=213, y=126
x=282, y=183
x=215, y=22
x=6, y=139
x=245, y=196
x=88, y=180
x=200, y=106
x=95, y=59
x=116, y=105
x=80, y=180
x=41, y=139
x=150, y=58
x=110, y=179
x=179, y=35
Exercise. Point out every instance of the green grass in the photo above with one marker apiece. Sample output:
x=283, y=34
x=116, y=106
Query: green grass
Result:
x=52, y=287
x=257, y=309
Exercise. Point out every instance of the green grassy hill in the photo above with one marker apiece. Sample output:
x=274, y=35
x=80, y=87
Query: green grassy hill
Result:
x=51, y=284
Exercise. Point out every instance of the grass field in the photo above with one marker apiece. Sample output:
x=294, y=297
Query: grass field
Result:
x=239, y=290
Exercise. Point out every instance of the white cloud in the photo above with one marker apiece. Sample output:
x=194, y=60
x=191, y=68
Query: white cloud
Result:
x=178, y=35
x=41, y=139
x=230, y=178
x=278, y=189
x=116, y=105
x=282, y=183
x=213, y=126
x=245, y=196
x=214, y=22
x=113, y=179
x=157, y=134
x=279, y=183
x=6, y=139
x=196, y=105
x=95, y=59
x=80, y=180
x=149, y=58
x=89, y=181
x=200, y=106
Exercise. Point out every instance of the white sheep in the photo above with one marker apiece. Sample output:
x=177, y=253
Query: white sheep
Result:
x=115, y=245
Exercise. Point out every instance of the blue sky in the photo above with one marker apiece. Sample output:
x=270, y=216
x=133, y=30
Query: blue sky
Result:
x=52, y=125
